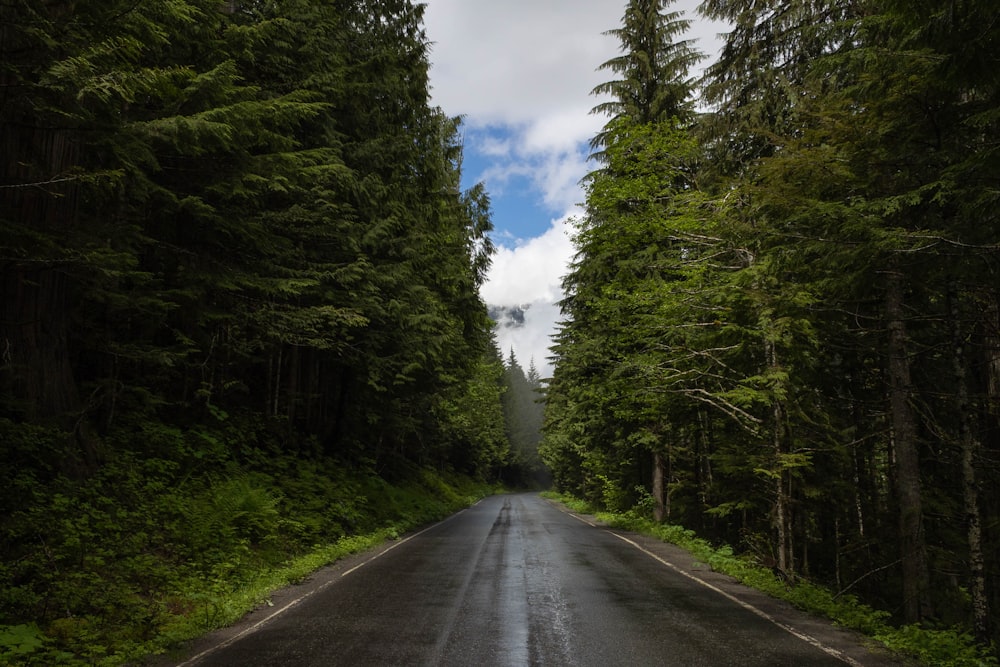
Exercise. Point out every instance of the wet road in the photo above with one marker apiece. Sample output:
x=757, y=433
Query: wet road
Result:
x=515, y=580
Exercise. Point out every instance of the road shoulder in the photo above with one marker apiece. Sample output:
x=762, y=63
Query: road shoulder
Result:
x=280, y=601
x=852, y=647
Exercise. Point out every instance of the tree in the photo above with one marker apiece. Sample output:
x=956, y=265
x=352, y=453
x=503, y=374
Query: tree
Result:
x=848, y=186
x=227, y=226
x=523, y=409
x=654, y=65
x=624, y=244
x=789, y=302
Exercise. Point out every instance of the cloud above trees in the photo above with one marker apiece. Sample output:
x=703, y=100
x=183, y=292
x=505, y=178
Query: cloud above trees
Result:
x=520, y=72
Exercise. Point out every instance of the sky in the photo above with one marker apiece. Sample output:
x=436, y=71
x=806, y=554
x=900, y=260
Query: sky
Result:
x=520, y=73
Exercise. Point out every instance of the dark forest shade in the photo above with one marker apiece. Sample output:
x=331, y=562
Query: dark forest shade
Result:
x=234, y=249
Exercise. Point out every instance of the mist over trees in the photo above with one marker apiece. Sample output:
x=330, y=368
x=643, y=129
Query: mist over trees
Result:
x=523, y=403
x=782, y=324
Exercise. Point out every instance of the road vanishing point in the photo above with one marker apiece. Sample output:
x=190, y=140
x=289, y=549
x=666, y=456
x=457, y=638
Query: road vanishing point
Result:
x=518, y=580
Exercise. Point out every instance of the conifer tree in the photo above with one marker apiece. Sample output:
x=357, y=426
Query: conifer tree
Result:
x=254, y=209
x=640, y=237
x=523, y=409
x=654, y=67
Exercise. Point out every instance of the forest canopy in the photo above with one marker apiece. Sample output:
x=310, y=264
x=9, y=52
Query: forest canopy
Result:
x=240, y=311
x=782, y=324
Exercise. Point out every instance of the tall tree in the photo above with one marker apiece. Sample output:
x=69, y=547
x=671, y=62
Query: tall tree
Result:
x=654, y=66
x=634, y=234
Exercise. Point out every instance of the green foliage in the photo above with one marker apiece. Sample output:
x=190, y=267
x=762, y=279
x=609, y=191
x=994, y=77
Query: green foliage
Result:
x=19, y=642
x=242, y=277
x=653, y=84
x=930, y=647
x=937, y=647
x=146, y=554
x=472, y=420
x=785, y=307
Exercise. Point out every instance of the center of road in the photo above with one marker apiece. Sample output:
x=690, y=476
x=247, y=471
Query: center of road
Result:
x=515, y=580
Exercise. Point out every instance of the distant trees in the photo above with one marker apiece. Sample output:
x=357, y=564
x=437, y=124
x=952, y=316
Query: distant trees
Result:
x=790, y=301
x=523, y=410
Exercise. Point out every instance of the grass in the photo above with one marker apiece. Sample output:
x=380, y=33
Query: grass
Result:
x=136, y=566
x=207, y=611
x=949, y=647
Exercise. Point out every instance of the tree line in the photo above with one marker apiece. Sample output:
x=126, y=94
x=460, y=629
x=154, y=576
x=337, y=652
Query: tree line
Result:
x=239, y=301
x=218, y=207
x=523, y=402
x=782, y=324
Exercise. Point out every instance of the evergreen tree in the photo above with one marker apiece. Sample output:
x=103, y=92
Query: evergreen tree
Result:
x=642, y=236
x=523, y=408
x=787, y=302
x=654, y=68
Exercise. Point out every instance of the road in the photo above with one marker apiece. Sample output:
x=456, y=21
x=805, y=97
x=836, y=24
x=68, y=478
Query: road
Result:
x=516, y=580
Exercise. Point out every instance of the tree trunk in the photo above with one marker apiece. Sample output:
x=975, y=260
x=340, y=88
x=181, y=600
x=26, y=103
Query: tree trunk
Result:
x=704, y=462
x=276, y=397
x=35, y=367
x=970, y=446
x=782, y=523
x=992, y=343
x=659, y=509
x=293, y=390
x=913, y=551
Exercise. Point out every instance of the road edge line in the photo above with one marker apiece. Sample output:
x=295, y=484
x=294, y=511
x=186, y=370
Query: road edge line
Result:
x=732, y=598
x=293, y=603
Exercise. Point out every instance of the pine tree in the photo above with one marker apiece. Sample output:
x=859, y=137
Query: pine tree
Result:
x=641, y=239
x=654, y=68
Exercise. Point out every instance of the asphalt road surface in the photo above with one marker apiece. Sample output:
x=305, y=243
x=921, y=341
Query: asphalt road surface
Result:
x=517, y=580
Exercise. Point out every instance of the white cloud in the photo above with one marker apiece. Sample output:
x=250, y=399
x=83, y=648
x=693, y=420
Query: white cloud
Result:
x=533, y=270
x=530, y=274
x=531, y=342
x=562, y=131
x=530, y=63
x=514, y=61
x=495, y=146
x=521, y=72
x=500, y=173
x=559, y=179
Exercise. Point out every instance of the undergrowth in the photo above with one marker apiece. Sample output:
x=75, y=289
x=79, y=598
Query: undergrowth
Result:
x=153, y=549
x=936, y=647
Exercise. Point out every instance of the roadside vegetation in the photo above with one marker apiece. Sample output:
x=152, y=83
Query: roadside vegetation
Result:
x=951, y=647
x=148, y=553
x=782, y=320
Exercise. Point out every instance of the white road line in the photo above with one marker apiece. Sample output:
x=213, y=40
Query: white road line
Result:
x=256, y=626
x=749, y=607
x=580, y=518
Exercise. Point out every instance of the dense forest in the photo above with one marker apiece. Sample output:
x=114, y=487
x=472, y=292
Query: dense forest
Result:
x=241, y=327
x=523, y=401
x=782, y=325
x=240, y=307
